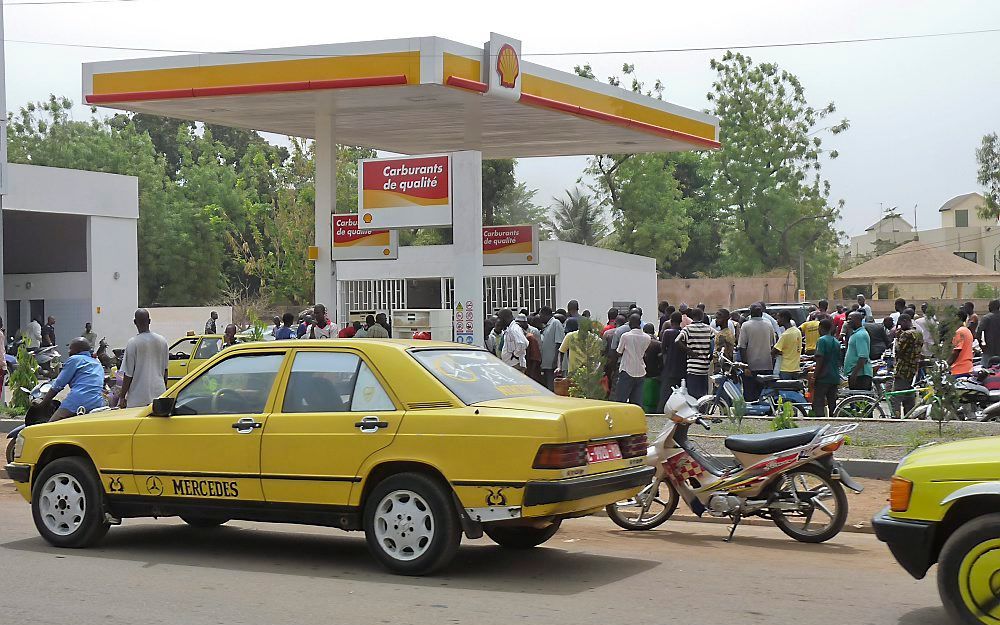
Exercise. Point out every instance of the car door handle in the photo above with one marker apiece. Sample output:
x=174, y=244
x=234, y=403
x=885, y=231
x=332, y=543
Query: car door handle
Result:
x=370, y=425
x=247, y=425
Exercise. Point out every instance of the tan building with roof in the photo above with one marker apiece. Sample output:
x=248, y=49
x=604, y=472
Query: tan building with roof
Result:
x=915, y=270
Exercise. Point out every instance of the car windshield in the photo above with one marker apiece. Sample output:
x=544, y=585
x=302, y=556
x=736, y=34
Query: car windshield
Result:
x=477, y=376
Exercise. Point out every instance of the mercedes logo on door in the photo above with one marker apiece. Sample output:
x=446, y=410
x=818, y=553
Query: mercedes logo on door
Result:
x=154, y=486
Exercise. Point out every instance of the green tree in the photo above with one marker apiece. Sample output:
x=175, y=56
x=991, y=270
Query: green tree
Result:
x=585, y=380
x=988, y=175
x=519, y=207
x=577, y=219
x=768, y=171
x=498, y=183
x=649, y=211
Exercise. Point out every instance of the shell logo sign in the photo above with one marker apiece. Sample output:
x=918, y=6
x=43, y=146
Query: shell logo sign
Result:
x=502, y=69
x=510, y=245
x=353, y=243
x=406, y=192
x=508, y=66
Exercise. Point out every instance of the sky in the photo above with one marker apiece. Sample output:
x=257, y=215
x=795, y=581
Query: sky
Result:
x=917, y=108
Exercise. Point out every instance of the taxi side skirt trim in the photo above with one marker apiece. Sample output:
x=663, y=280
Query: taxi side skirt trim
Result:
x=131, y=506
x=262, y=476
x=487, y=483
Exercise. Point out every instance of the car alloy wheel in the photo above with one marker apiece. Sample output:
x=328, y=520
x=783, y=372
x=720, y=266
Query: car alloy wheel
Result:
x=404, y=525
x=62, y=504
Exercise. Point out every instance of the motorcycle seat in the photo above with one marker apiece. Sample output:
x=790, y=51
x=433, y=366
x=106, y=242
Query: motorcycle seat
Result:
x=771, y=442
x=766, y=379
x=786, y=385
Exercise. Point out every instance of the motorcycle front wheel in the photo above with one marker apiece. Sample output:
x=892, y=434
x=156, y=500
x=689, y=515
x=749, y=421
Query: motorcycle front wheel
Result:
x=823, y=505
x=634, y=514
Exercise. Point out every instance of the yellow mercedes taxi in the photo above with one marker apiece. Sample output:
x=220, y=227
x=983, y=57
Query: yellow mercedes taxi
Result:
x=944, y=507
x=414, y=442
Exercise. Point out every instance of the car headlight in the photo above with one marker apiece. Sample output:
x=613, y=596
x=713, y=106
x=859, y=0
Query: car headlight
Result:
x=18, y=445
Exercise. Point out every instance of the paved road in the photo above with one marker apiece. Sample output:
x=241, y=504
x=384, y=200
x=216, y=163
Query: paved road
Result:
x=154, y=572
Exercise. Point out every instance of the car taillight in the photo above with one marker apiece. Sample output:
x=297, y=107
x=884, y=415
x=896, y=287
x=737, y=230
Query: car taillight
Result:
x=562, y=456
x=633, y=446
x=899, y=494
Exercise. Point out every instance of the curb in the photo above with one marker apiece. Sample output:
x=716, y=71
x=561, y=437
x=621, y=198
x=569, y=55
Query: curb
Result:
x=6, y=425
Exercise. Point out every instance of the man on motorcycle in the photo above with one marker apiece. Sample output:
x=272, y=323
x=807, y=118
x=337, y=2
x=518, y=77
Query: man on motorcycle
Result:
x=84, y=376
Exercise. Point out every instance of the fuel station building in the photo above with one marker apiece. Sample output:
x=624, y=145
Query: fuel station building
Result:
x=423, y=96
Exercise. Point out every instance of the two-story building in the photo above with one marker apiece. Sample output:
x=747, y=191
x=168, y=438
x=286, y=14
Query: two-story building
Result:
x=962, y=232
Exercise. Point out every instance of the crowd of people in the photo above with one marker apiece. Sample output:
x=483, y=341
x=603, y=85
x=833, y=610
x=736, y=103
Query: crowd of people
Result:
x=642, y=361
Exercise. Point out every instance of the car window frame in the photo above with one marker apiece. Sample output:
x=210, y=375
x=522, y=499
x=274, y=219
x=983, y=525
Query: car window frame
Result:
x=207, y=366
x=279, y=406
x=412, y=351
x=194, y=349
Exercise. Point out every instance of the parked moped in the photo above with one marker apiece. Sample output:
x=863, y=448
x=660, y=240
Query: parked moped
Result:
x=789, y=476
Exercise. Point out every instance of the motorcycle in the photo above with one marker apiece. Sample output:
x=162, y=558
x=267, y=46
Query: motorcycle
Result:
x=49, y=360
x=789, y=476
x=728, y=384
x=974, y=397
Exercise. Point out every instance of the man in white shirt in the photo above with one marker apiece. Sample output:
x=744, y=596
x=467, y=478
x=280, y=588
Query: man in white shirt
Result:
x=631, y=366
x=865, y=309
x=144, y=366
x=514, y=346
x=35, y=332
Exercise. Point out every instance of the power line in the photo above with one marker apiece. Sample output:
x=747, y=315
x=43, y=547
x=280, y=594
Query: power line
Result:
x=58, y=2
x=526, y=54
x=54, y=2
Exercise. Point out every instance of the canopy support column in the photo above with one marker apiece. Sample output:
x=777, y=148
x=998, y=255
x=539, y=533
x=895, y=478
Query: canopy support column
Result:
x=326, y=205
x=467, y=233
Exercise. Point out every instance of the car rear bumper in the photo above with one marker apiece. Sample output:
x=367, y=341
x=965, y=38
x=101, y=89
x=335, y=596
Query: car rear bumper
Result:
x=911, y=542
x=572, y=489
x=18, y=472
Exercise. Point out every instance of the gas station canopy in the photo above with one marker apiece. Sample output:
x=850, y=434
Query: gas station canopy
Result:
x=408, y=96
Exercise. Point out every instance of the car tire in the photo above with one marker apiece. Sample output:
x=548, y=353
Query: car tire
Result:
x=968, y=562
x=521, y=536
x=411, y=524
x=203, y=522
x=10, y=450
x=67, y=503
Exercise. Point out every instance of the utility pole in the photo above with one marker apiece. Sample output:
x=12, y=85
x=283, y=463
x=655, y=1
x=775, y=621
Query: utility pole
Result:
x=3, y=149
x=802, y=271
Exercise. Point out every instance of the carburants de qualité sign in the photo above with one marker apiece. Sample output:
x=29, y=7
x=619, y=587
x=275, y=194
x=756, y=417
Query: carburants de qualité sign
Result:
x=510, y=245
x=405, y=192
x=352, y=243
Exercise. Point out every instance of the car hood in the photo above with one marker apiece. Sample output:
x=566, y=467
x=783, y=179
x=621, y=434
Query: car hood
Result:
x=93, y=419
x=972, y=459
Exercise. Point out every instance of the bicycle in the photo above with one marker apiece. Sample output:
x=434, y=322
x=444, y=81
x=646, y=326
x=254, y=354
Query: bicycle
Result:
x=869, y=405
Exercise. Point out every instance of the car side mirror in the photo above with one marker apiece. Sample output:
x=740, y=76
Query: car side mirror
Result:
x=163, y=406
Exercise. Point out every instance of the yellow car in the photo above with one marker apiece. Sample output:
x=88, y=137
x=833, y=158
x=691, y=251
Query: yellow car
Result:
x=414, y=442
x=185, y=354
x=944, y=507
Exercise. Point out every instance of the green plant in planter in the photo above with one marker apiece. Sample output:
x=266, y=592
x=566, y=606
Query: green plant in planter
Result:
x=738, y=411
x=25, y=375
x=257, y=328
x=585, y=380
x=785, y=419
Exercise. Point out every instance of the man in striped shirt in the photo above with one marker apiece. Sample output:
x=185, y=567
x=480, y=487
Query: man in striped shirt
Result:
x=696, y=341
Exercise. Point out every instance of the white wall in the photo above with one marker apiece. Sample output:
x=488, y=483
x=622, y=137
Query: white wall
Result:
x=597, y=277
x=113, y=249
x=173, y=322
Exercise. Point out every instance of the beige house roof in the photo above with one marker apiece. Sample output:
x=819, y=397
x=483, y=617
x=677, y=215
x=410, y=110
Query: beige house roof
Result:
x=916, y=262
x=958, y=199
